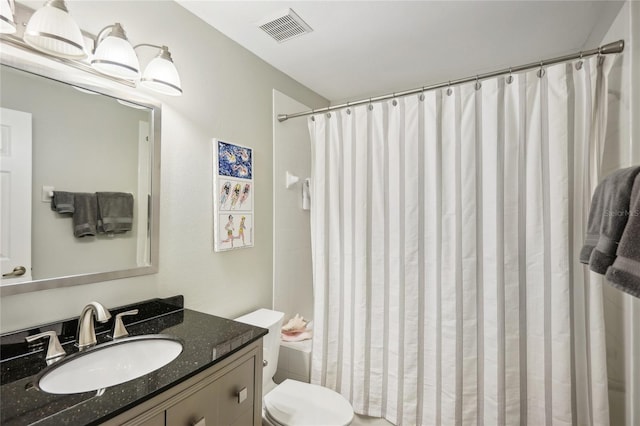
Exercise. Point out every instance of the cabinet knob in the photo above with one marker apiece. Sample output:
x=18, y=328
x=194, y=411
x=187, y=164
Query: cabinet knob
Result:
x=242, y=395
x=201, y=422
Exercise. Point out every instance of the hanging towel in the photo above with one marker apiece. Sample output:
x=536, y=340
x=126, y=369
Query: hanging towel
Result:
x=625, y=272
x=115, y=212
x=608, y=217
x=85, y=215
x=62, y=202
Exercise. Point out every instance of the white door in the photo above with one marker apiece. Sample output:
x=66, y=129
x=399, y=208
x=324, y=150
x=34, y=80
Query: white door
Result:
x=145, y=165
x=15, y=196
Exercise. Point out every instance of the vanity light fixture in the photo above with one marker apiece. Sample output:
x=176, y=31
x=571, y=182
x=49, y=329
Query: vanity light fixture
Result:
x=161, y=74
x=131, y=104
x=83, y=90
x=52, y=30
x=7, y=22
x=114, y=55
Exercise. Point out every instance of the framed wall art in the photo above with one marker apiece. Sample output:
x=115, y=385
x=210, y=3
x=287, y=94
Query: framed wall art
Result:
x=232, y=196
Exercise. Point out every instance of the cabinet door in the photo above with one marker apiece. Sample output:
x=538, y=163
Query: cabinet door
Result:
x=244, y=420
x=157, y=420
x=235, y=395
x=198, y=409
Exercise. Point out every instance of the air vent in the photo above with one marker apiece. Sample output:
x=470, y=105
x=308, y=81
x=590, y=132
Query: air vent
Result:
x=285, y=26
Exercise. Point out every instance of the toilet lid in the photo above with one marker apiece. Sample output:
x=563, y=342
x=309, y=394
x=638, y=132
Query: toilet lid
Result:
x=298, y=403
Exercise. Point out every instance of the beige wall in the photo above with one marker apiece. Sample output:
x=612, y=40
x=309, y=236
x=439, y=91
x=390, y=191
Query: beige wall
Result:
x=292, y=274
x=634, y=49
x=227, y=95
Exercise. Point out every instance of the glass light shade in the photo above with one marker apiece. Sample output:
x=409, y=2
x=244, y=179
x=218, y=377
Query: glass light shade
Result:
x=131, y=104
x=161, y=75
x=115, y=56
x=52, y=30
x=7, y=23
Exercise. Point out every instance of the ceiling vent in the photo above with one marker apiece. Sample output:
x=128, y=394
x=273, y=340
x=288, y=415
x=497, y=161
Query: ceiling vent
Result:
x=285, y=26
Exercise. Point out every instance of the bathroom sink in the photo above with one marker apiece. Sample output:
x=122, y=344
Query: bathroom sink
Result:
x=109, y=364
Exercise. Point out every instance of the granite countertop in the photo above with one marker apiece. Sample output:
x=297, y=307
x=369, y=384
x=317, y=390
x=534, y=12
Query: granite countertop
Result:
x=207, y=339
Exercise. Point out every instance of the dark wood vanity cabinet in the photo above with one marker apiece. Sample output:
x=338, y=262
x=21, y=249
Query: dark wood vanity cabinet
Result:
x=226, y=394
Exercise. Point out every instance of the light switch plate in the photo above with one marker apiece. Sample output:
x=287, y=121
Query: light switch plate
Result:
x=46, y=193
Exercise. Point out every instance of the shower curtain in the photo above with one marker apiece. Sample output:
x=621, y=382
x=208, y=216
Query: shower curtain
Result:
x=446, y=229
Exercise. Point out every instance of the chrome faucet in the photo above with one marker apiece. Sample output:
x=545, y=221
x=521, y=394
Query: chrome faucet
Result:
x=86, y=330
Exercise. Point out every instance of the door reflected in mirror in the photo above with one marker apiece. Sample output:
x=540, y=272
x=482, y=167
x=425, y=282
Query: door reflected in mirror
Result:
x=64, y=138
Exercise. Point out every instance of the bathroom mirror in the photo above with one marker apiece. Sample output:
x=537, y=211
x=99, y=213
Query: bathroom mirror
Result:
x=84, y=137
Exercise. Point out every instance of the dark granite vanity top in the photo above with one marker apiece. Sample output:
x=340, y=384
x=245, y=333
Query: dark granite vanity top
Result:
x=207, y=339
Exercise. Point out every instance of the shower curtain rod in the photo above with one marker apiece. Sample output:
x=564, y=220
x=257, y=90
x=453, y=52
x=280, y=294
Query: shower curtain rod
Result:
x=615, y=47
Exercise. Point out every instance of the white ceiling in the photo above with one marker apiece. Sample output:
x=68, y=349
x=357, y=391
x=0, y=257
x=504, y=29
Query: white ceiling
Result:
x=365, y=48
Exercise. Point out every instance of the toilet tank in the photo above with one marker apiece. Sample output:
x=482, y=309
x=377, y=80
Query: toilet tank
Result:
x=271, y=320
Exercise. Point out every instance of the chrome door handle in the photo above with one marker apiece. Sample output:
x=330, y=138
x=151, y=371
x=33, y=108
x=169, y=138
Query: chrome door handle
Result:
x=17, y=271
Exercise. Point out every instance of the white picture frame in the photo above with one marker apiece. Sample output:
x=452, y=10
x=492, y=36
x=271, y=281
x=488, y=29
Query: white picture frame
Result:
x=233, y=196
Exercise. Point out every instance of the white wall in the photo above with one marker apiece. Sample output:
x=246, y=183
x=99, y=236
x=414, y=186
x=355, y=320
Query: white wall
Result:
x=292, y=275
x=622, y=311
x=228, y=95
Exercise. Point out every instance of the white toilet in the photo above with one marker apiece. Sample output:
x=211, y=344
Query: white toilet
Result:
x=293, y=403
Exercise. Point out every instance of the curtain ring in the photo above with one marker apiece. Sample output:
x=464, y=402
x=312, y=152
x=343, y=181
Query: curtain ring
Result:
x=421, y=97
x=313, y=111
x=600, y=56
x=370, y=105
x=541, y=71
x=449, y=89
x=348, y=109
x=395, y=101
x=478, y=84
x=579, y=63
x=510, y=77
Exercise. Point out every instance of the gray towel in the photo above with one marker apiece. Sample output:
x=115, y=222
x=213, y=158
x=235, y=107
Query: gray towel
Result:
x=596, y=213
x=115, y=212
x=609, y=209
x=85, y=216
x=625, y=272
x=62, y=202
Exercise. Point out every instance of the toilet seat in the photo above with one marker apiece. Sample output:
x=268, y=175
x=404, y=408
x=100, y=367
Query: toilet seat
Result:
x=294, y=403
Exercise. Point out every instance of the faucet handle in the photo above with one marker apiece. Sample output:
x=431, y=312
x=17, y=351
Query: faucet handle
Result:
x=54, y=350
x=118, y=326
